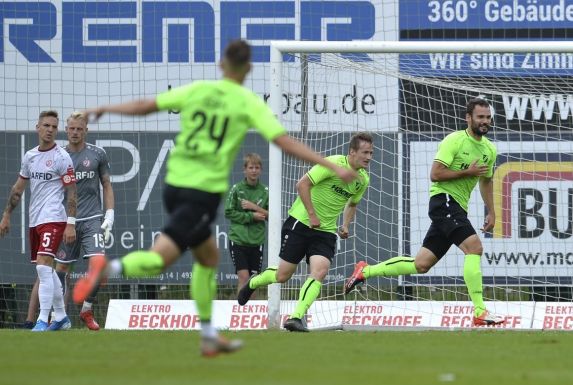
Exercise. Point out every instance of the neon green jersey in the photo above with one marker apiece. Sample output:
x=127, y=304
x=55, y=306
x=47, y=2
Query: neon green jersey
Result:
x=457, y=152
x=329, y=194
x=215, y=116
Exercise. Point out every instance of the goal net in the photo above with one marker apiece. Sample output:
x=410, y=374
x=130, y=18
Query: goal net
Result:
x=409, y=96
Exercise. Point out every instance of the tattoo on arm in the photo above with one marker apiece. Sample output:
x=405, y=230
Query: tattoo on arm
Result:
x=14, y=200
x=72, y=197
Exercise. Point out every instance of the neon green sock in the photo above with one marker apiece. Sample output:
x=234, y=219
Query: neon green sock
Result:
x=264, y=279
x=391, y=268
x=142, y=263
x=203, y=290
x=473, y=279
x=308, y=294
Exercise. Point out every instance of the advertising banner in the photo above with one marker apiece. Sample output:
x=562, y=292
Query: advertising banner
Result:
x=487, y=20
x=227, y=315
x=72, y=55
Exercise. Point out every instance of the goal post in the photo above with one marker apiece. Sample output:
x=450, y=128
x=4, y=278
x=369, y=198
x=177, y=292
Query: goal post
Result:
x=533, y=107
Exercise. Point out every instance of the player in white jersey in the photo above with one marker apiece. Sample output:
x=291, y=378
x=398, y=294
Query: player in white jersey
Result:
x=50, y=171
x=91, y=167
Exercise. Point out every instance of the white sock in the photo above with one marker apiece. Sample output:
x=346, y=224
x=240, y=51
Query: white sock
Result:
x=114, y=267
x=45, y=290
x=86, y=306
x=208, y=331
x=58, y=301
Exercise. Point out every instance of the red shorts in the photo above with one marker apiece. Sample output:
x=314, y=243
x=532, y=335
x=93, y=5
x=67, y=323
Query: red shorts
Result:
x=46, y=239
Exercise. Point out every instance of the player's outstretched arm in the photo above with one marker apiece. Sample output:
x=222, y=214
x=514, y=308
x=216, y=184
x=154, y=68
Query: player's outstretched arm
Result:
x=135, y=107
x=302, y=151
x=13, y=201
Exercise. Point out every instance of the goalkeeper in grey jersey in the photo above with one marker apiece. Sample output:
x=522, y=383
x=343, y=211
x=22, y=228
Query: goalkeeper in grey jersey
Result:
x=92, y=226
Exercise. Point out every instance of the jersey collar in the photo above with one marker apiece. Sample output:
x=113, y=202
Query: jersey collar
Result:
x=48, y=149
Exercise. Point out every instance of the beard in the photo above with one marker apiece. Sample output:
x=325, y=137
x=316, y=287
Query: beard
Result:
x=478, y=129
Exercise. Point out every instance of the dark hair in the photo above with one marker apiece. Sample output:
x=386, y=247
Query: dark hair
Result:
x=470, y=107
x=51, y=113
x=238, y=53
x=355, y=140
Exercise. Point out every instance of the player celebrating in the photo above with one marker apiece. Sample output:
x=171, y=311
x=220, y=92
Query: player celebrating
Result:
x=215, y=116
x=51, y=173
x=310, y=230
x=463, y=158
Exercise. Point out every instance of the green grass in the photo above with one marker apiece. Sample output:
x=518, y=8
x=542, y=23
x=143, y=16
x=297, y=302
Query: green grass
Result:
x=80, y=357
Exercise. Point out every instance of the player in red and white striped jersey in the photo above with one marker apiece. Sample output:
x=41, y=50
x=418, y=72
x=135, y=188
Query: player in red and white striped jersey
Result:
x=50, y=171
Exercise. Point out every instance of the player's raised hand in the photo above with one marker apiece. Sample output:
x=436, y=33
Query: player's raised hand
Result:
x=93, y=114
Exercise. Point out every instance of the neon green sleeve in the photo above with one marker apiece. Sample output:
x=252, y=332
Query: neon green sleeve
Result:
x=447, y=150
x=263, y=119
x=174, y=98
x=491, y=163
x=319, y=173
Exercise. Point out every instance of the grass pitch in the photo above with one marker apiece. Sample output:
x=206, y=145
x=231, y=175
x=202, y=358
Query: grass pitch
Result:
x=79, y=357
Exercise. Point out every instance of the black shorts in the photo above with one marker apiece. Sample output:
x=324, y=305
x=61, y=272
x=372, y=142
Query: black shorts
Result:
x=299, y=241
x=191, y=213
x=450, y=225
x=247, y=257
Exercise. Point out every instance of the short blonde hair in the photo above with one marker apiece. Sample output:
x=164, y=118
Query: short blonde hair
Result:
x=253, y=158
x=77, y=115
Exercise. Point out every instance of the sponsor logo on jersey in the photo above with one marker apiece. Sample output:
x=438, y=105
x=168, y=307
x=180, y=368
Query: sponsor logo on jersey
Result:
x=340, y=191
x=84, y=175
x=41, y=175
x=49, y=163
x=86, y=163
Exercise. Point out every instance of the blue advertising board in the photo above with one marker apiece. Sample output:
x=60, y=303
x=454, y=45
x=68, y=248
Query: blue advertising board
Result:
x=487, y=20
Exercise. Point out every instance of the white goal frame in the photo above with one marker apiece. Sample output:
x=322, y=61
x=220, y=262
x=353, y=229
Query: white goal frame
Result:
x=278, y=48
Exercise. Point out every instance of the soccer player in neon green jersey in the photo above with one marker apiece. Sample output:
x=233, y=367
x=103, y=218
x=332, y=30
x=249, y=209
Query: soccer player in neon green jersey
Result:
x=463, y=158
x=215, y=116
x=310, y=230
